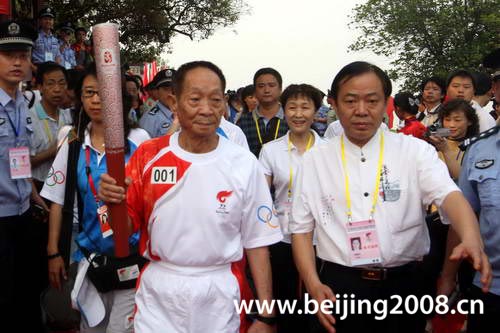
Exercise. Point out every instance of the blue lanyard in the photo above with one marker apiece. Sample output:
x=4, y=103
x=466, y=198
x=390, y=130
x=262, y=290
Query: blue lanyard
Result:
x=15, y=129
x=221, y=132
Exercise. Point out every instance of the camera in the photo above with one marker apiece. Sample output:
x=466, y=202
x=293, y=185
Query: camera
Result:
x=437, y=129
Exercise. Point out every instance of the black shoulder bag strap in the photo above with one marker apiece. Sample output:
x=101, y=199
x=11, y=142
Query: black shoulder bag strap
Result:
x=69, y=197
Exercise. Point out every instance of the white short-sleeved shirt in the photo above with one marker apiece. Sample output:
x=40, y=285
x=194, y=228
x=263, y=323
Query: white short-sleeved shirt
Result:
x=191, y=211
x=54, y=188
x=277, y=162
x=234, y=133
x=412, y=177
x=45, y=131
x=336, y=129
x=486, y=121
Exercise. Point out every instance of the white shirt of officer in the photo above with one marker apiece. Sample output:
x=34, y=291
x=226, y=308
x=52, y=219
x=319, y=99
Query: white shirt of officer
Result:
x=277, y=161
x=412, y=178
x=45, y=131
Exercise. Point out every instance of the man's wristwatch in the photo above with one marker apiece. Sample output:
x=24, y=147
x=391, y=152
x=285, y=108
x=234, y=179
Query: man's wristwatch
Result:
x=266, y=320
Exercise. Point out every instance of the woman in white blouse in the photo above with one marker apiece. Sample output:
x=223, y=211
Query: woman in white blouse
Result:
x=280, y=159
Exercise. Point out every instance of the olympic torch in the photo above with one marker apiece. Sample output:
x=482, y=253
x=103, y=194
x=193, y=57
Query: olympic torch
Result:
x=107, y=57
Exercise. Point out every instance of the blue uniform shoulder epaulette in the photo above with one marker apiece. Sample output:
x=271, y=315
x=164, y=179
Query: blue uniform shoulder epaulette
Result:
x=483, y=135
x=154, y=110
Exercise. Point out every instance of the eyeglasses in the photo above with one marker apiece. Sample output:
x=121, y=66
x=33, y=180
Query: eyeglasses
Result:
x=13, y=56
x=89, y=93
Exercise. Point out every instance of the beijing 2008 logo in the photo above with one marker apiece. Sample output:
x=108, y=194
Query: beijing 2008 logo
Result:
x=265, y=215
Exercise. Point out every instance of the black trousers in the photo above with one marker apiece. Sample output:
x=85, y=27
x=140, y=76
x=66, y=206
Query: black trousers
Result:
x=488, y=321
x=286, y=286
x=19, y=274
x=345, y=281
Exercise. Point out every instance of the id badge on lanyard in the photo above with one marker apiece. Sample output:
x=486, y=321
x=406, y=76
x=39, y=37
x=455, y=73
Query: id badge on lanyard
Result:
x=362, y=238
x=19, y=157
x=19, y=161
x=102, y=210
x=49, y=56
x=103, y=216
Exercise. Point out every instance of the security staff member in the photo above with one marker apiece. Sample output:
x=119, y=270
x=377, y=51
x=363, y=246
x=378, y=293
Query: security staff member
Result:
x=159, y=119
x=480, y=184
x=361, y=186
x=46, y=47
x=19, y=292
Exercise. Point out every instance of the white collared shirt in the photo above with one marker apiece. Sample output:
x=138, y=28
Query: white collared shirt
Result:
x=412, y=177
x=276, y=162
x=430, y=116
x=336, y=129
x=234, y=133
x=486, y=121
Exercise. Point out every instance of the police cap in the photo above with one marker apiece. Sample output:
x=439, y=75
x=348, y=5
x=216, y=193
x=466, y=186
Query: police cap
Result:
x=164, y=78
x=16, y=36
x=67, y=27
x=46, y=12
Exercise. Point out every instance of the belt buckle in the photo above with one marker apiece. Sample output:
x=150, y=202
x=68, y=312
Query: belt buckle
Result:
x=375, y=274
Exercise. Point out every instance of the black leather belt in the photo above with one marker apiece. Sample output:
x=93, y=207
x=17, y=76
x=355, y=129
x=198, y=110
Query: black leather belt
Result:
x=373, y=273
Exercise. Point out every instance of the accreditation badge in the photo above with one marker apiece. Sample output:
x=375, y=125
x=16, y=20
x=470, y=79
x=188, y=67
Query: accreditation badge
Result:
x=19, y=162
x=49, y=56
x=103, y=216
x=362, y=239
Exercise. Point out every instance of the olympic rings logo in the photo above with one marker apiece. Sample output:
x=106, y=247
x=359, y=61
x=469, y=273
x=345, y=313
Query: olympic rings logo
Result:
x=55, y=177
x=265, y=215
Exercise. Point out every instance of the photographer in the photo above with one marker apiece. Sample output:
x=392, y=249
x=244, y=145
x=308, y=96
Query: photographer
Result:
x=461, y=120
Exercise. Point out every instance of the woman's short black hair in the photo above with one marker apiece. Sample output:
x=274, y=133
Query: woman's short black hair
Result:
x=358, y=68
x=302, y=90
x=406, y=102
x=461, y=105
x=245, y=92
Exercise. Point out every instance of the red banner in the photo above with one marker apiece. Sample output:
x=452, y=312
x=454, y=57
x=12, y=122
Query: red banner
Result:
x=4, y=7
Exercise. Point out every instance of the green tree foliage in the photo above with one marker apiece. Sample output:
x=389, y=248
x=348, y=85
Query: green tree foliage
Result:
x=426, y=37
x=147, y=26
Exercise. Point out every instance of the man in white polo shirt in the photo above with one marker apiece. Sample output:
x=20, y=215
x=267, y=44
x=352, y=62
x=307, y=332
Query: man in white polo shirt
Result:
x=196, y=217
x=372, y=186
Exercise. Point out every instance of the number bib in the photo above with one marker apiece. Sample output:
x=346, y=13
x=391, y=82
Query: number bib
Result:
x=19, y=161
x=164, y=175
x=362, y=240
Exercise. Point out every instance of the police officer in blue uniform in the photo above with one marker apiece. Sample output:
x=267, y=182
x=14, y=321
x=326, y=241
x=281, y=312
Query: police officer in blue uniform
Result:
x=19, y=246
x=480, y=183
x=159, y=119
x=46, y=47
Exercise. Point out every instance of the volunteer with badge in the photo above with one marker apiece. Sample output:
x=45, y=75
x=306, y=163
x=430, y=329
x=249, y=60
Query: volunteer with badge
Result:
x=106, y=307
x=280, y=159
x=361, y=183
x=19, y=247
x=196, y=218
x=159, y=119
x=47, y=45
